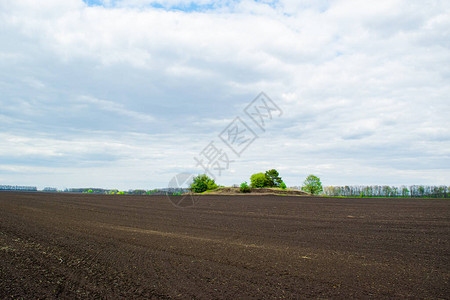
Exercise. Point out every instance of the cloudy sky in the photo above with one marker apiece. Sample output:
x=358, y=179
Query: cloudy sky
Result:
x=126, y=93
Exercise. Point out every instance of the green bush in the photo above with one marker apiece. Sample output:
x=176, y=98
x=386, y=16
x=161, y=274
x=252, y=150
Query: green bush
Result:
x=258, y=180
x=202, y=183
x=283, y=185
x=245, y=188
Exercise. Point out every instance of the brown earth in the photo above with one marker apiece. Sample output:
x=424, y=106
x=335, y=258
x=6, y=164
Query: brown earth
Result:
x=119, y=246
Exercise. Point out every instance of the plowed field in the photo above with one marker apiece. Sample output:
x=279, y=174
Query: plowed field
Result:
x=55, y=245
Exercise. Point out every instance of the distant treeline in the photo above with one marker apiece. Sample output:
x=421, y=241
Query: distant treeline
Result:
x=163, y=191
x=50, y=189
x=430, y=191
x=17, y=188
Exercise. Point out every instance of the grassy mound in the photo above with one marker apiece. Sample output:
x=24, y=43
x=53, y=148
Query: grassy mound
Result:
x=256, y=191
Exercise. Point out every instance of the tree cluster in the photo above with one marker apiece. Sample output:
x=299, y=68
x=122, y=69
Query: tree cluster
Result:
x=389, y=191
x=270, y=178
x=203, y=183
x=18, y=188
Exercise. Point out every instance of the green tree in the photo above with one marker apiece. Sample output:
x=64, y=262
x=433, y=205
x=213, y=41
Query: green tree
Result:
x=283, y=185
x=405, y=192
x=312, y=185
x=258, y=180
x=273, y=178
x=202, y=183
x=421, y=191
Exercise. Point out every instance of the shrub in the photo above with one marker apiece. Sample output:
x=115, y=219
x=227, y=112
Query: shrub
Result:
x=202, y=183
x=283, y=185
x=258, y=180
x=245, y=188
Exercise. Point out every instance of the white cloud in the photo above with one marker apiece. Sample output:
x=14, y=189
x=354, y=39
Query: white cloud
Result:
x=111, y=106
x=363, y=86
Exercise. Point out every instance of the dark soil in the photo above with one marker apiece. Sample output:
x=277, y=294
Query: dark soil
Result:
x=118, y=246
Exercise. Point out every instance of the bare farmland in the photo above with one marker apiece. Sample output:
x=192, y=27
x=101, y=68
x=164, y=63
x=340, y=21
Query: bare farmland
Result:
x=69, y=245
